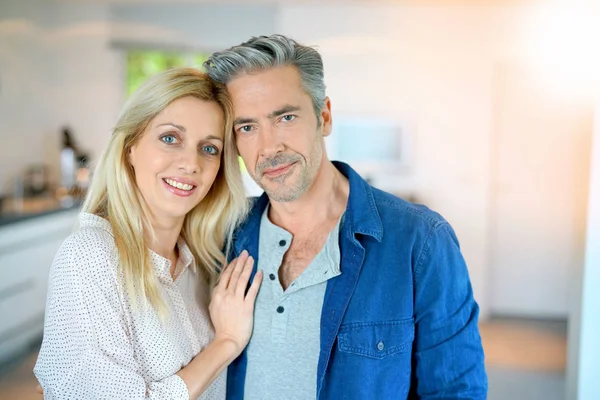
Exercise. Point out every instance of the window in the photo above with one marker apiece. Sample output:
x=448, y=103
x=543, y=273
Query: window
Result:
x=142, y=64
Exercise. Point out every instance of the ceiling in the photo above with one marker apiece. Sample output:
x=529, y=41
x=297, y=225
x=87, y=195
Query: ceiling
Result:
x=322, y=2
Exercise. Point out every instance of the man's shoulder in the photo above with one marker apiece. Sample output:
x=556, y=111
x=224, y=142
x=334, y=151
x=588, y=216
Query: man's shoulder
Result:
x=253, y=200
x=256, y=206
x=249, y=223
x=394, y=210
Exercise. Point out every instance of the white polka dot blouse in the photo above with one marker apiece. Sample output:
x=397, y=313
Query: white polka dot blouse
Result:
x=98, y=345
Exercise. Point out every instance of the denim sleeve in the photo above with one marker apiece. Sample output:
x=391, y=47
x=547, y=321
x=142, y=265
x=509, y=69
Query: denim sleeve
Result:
x=448, y=359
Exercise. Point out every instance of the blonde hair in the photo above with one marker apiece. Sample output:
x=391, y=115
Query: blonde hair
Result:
x=113, y=193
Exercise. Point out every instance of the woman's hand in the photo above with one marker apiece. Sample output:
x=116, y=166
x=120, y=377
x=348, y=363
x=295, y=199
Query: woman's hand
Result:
x=232, y=312
x=231, y=308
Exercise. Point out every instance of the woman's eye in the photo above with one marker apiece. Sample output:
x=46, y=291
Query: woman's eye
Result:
x=211, y=150
x=169, y=139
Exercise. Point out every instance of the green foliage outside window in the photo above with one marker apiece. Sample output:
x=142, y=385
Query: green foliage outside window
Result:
x=142, y=64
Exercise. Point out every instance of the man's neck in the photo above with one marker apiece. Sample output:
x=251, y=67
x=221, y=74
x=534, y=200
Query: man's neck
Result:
x=325, y=200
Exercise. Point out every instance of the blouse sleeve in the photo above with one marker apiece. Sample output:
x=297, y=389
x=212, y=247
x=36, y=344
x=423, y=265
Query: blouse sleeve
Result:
x=86, y=352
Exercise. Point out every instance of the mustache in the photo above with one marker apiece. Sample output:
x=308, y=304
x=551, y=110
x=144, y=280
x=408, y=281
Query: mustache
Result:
x=274, y=162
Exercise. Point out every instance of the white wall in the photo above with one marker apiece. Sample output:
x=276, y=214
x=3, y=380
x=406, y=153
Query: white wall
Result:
x=56, y=68
x=539, y=181
x=207, y=27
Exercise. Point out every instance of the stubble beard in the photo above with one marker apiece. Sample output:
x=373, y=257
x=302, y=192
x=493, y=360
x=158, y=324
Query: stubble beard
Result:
x=281, y=192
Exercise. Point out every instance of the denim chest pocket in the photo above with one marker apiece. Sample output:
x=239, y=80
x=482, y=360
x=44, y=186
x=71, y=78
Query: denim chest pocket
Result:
x=377, y=339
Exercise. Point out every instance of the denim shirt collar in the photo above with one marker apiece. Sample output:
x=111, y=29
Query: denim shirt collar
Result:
x=361, y=216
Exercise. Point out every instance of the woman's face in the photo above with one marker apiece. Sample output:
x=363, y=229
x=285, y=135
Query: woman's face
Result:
x=178, y=156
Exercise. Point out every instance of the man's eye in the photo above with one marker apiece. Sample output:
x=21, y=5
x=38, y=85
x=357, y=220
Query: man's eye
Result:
x=288, y=118
x=169, y=139
x=245, y=129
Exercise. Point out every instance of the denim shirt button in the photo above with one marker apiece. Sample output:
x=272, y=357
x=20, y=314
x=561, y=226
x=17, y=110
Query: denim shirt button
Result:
x=380, y=346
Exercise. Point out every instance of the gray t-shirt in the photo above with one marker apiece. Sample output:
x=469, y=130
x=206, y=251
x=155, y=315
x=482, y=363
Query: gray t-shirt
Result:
x=283, y=352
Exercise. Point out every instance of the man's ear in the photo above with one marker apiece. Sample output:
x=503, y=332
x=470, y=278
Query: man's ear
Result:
x=326, y=117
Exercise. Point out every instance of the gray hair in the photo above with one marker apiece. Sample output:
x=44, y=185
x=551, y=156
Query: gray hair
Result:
x=264, y=52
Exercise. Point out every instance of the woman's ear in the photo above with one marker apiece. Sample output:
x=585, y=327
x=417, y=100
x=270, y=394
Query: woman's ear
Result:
x=131, y=156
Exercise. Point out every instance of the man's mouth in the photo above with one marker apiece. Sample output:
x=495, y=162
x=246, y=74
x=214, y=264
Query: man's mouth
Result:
x=277, y=171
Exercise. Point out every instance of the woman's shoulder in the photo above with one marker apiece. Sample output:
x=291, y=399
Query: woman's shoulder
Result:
x=90, y=245
x=85, y=268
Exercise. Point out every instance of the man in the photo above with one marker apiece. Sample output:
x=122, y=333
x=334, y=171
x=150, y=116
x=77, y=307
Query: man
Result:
x=365, y=296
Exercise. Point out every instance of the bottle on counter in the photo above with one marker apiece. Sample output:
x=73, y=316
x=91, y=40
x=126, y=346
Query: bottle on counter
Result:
x=82, y=176
x=67, y=161
x=68, y=167
x=18, y=194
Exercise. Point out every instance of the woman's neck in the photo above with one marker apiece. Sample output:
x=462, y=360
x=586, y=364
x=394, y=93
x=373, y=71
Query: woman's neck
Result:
x=164, y=242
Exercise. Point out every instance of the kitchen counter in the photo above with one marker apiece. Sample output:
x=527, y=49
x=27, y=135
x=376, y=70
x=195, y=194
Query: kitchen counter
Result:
x=30, y=236
x=32, y=208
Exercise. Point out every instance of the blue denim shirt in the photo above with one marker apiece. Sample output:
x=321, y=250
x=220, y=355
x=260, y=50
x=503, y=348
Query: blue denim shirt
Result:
x=400, y=322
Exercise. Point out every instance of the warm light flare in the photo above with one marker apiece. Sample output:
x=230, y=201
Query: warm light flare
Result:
x=564, y=45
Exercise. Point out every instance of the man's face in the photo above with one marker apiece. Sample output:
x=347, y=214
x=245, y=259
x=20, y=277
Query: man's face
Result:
x=277, y=132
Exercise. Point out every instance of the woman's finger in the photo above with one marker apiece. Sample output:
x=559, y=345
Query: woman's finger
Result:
x=236, y=271
x=242, y=284
x=225, y=277
x=253, y=291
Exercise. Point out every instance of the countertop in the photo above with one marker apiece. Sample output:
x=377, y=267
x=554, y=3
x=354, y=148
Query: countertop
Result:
x=11, y=213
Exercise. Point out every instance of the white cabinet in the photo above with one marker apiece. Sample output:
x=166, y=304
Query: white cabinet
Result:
x=27, y=249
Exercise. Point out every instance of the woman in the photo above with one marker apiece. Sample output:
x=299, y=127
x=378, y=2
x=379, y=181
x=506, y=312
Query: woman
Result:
x=128, y=313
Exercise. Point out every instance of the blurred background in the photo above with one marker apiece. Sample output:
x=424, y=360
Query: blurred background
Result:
x=486, y=111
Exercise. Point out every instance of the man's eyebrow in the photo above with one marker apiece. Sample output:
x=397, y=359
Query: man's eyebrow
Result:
x=181, y=128
x=283, y=110
x=242, y=120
